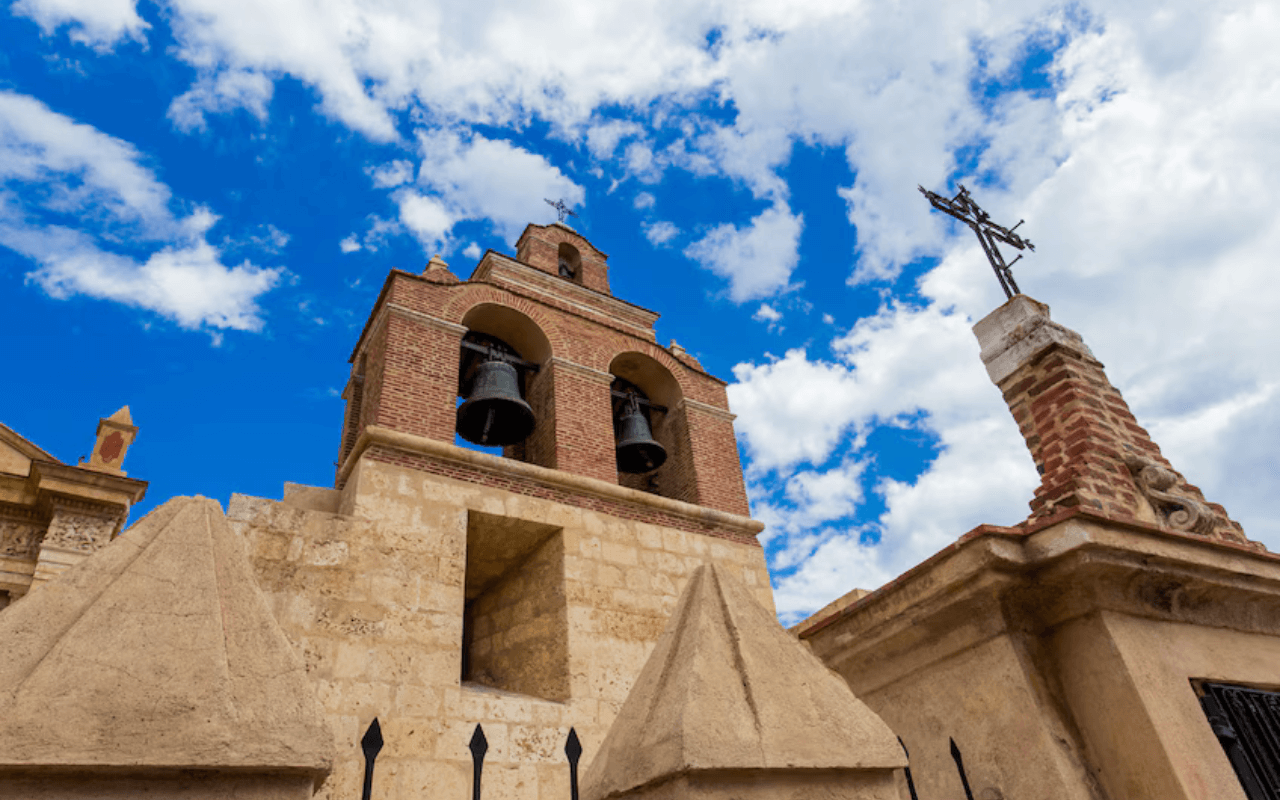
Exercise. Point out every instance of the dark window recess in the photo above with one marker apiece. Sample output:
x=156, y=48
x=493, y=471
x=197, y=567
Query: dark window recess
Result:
x=1247, y=723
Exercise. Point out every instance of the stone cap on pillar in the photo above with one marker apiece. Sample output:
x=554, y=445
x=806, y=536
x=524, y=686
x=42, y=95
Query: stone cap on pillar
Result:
x=115, y=434
x=1017, y=332
x=727, y=688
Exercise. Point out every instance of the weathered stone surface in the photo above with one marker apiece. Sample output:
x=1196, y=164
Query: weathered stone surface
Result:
x=726, y=688
x=159, y=651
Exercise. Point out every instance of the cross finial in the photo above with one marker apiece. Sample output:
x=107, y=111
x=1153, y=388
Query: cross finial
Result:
x=963, y=208
x=561, y=208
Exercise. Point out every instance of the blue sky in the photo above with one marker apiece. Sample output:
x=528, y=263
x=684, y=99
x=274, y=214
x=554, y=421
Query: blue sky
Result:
x=202, y=197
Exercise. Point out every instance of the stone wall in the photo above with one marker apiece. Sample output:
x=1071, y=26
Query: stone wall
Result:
x=374, y=598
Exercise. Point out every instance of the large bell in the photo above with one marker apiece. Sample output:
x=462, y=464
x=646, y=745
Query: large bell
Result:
x=494, y=413
x=638, y=451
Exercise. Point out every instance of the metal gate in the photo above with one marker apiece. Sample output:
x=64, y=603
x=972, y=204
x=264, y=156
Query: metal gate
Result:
x=1247, y=723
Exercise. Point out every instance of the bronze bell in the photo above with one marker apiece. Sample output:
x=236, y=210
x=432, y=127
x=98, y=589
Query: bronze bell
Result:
x=638, y=451
x=494, y=413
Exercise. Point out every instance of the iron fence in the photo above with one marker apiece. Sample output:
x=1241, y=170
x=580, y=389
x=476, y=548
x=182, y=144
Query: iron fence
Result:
x=371, y=743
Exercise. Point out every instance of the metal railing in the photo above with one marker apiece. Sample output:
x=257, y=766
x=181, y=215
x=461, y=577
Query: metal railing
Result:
x=371, y=743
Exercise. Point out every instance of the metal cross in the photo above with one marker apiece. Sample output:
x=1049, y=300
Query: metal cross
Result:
x=964, y=209
x=561, y=208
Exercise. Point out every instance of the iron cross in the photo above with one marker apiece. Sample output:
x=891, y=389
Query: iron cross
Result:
x=964, y=209
x=561, y=208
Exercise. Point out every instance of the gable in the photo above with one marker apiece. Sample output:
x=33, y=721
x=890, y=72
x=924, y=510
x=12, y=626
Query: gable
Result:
x=17, y=453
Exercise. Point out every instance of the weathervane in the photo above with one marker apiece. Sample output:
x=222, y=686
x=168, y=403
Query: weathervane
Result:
x=562, y=209
x=964, y=209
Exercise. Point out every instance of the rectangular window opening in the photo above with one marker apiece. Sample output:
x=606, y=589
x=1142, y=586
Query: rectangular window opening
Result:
x=515, y=631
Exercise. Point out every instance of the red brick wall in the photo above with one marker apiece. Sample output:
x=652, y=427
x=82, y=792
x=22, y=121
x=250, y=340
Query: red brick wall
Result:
x=540, y=247
x=412, y=372
x=1079, y=431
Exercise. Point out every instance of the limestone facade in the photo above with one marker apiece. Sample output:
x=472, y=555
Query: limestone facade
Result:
x=435, y=601
x=52, y=514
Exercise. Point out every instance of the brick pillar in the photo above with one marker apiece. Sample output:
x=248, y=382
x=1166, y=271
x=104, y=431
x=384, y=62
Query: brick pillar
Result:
x=412, y=377
x=584, y=439
x=715, y=461
x=1087, y=446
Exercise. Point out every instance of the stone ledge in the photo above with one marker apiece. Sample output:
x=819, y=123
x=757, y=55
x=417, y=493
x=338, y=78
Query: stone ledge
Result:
x=577, y=484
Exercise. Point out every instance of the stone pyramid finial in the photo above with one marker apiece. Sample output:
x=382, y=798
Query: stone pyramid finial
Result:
x=115, y=434
x=157, y=652
x=728, y=693
x=437, y=270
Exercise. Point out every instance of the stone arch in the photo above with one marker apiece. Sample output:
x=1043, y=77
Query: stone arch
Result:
x=675, y=478
x=526, y=337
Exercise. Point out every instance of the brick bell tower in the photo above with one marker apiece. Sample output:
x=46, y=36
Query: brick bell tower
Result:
x=438, y=586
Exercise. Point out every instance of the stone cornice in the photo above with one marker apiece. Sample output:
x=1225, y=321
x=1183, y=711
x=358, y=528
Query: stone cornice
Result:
x=1071, y=565
x=596, y=375
x=707, y=408
x=580, y=484
x=86, y=484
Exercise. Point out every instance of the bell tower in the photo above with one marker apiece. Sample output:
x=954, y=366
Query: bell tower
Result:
x=523, y=584
x=548, y=364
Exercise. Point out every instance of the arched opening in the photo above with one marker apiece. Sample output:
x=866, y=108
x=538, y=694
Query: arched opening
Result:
x=496, y=336
x=643, y=385
x=570, y=263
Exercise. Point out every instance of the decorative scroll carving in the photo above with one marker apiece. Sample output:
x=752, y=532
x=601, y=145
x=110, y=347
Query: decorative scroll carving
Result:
x=1178, y=511
x=75, y=531
x=19, y=539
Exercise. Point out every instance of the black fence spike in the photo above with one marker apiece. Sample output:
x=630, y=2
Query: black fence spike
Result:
x=573, y=750
x=911, y=785
x=371, y=744
x=964, y=779
x=479, y=746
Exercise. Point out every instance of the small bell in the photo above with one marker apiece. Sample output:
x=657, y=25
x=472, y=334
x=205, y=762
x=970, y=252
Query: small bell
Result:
x=494, y=413
x=638, y=451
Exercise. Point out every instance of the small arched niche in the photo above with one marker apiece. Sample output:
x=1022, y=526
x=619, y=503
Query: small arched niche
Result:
x=489, y=321
x=667, y=421
x=570, y=263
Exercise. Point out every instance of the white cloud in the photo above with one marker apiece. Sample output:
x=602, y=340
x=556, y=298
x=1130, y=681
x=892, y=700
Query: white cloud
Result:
x=55, y=169
x=221, y=93
x=97, y=23
x=473, y=251
x=479, y=178
x=349, y=244
x=660, y=232
x=426, y=218
x=603, y=138
x=757, y=259
x=644, y=200
x=766, y=313
x=391, y=174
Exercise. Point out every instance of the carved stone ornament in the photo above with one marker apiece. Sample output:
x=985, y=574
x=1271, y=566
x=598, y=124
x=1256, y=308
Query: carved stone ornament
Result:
x=1177, y=511
x=19, y=539
x=83, y=532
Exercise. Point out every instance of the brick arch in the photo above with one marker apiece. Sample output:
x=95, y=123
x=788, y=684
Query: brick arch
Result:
x=555, y=234
x=679, y=372
x=456, y=309
x=677, y=477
